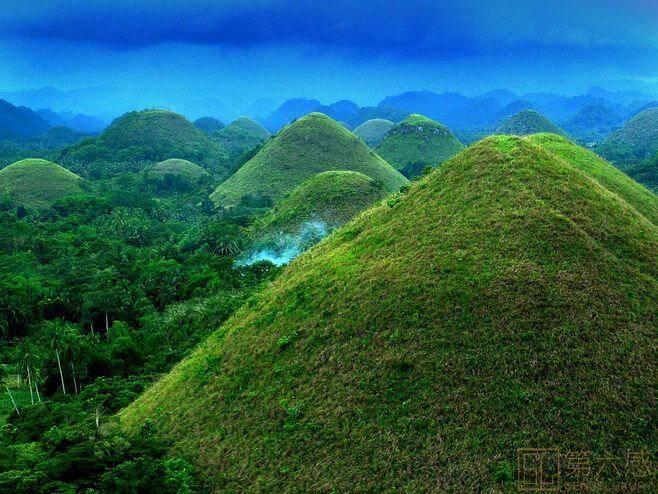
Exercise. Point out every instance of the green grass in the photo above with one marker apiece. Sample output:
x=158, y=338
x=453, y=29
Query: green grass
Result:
x=373, y=131
x=311, y=145
x=37, y=183
x=637, y=140
x=240, y=136
x=506, y=300
x=528, y=122
x=332, y=197
x=177, y=167
x=150, y=136
x=417, y=143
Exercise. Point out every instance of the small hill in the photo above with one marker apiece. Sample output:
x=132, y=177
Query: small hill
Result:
x=37, y=183
x=332, y=197
x=208, y=124
x=311, y=145
x=374, y=112
x=149, y=136
x=416, y=143
x=373, y=131
x=178, y=168
x=592, y=123
x=637, y=140
x=505, y=301
x=528, y=122
x=240, y=136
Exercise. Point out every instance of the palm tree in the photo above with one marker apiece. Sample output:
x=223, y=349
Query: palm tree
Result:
x=57, y=342
x=3, y=377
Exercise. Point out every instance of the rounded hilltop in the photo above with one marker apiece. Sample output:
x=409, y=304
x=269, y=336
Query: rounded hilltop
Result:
x=420, y=345
x=178, y=168
x=528, y=122
x=416, y=143
x=373, y=131
x=332, y=197
x=150, y=136
x=311, y=145
x=38, y=183
x=240, y=136
x=636, y=140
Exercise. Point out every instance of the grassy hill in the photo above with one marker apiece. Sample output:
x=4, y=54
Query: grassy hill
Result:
x=311, y=145
x=507, y=300
x=528, y=122
x=150, y=136
x=592, y=123
x=208, y=124
x=37, y=183
x=333, y=197
x=373, y=131
x=178, y=168
x=416, y=143
x=240, y=136
x=637, y=140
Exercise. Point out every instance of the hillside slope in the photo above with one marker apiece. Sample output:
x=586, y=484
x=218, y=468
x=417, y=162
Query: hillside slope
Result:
x=311, y=145
x=507, y=300
x=635, y=141
x=37, y=183
x=240, y=136
x=417, y=143
x=149, y=136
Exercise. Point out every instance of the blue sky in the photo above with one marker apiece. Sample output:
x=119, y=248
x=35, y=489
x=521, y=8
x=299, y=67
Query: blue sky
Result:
x=226, y=55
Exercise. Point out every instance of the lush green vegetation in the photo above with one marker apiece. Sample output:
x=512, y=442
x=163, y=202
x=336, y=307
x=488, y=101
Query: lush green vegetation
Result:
x=174, y=169
x=418, y=143
x=373, y=131
x=101, y=293
x=637, y=140
x=138, y=139
x=311, y=145
x=528, y=122
x=506, y=300
x=333, y=198
x=239, y=137
x=37, y=183
x=208, y=124
x=592, y=123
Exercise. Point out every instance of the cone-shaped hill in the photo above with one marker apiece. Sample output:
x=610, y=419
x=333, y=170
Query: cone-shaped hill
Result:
x=635, y=141
x=332, y=197
x=528, y=122
x=417, y=143
x=178, y=168
x=240, y=136
x=373, y=131
x=506, y=300
x=37, y=183
x=150, y=136
x=311, y=145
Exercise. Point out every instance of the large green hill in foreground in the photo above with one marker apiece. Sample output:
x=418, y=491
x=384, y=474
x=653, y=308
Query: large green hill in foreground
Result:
x=37, y=183
x=506, y=300
x=149, y=136
x=311, y=145
x=417, y=143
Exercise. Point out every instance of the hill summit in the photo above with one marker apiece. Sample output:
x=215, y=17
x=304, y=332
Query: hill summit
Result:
x=417, y=143
x=311, y=145
x=528, y=122
x=149, y=136
x=506, y=300
x=373, y=131
x=240, y=136
x=636, y=140
x=37, y=183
